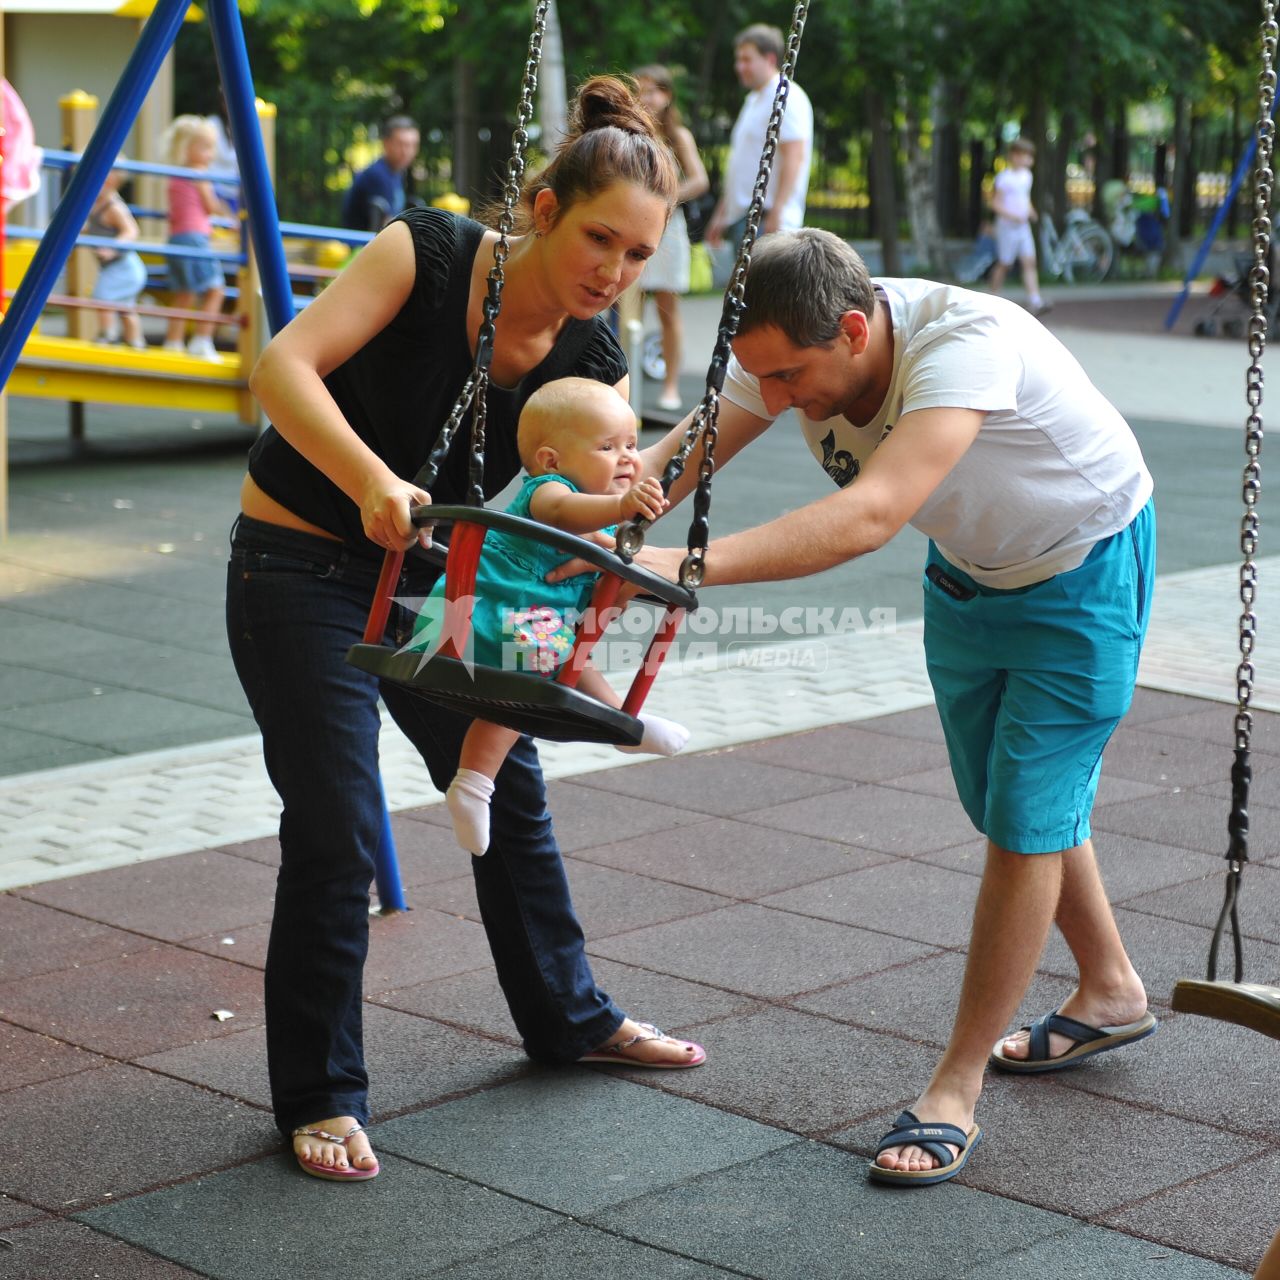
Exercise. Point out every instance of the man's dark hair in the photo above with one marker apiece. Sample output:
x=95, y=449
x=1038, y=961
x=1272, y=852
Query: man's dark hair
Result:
x=765, y=38
x=802, y=282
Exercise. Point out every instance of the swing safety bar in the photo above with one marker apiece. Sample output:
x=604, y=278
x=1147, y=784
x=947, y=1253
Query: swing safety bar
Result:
x=527, y=702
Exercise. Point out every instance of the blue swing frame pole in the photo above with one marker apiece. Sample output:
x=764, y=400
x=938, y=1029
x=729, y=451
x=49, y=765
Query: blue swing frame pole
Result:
x=1203, y=252
x=117, y=119
x=277, y=292
x=251, y=157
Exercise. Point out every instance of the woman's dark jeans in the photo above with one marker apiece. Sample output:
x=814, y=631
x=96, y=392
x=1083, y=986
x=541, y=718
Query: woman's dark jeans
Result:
x=295, y=604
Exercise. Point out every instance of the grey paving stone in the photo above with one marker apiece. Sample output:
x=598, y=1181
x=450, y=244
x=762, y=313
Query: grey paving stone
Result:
x=715, y=782
x=117, y=610
x=1165, y=950
x=1229, y=1216
x=584, y=1126
x=873, y=817
x=26, y=1058
x=111, y=1132
x=39, y=939
x=1198, y=1069
x=759, y=952
x=154, y=999
x=919, y=999
x=23, y=687
x=23, y=752
x=906, y=899
x=606, y=901
x=808, y=1213
x=922, y=724
x=1214, y=724
x=169, y=898
x=577, y=1252
x=57, y=1249
x=269, y=1221
x=412, y=1062
x=736, y=859
x=851, y=751
x=1084, y=1253
x=1150, y=756
x=1199, y=901
x=1052, y=1146
x=1189, y=820
x=803, y=1072
x=14, y=1213
x=120, y=718
x=1130, y=866
x=1156, y=705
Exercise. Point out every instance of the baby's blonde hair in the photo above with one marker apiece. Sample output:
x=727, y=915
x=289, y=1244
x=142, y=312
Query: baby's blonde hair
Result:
x=179, y=135
x=558, y=409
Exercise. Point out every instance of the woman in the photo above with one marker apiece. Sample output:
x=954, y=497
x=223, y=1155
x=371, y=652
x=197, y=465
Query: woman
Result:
x=357, y=388
x=667, y=275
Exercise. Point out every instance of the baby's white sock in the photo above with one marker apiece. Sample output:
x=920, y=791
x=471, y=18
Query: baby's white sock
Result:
x=661, y=737
x=468, y=803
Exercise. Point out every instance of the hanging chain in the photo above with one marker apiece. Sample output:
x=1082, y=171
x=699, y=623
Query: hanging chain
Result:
x=703, y=425
x=1251, y=490
x=475, y=391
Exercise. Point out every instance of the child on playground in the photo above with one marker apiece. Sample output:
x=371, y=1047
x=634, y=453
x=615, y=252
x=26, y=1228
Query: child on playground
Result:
x=191, y=143
x=577, y=440
x=1011, y=203
x=121, y=273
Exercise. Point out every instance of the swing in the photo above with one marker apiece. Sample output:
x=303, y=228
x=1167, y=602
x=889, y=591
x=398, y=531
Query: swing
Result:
x=527, y=702
x=1247, y=1004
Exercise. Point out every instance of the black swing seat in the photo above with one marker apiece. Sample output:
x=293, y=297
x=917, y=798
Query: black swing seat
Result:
x=524, y=701
x=1248, y=1004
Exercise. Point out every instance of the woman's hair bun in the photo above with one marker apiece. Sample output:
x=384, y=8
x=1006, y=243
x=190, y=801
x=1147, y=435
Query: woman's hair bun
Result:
x=605, y=101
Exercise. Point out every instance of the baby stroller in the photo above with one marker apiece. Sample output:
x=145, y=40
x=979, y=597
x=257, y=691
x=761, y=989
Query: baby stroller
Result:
x=1233, y=301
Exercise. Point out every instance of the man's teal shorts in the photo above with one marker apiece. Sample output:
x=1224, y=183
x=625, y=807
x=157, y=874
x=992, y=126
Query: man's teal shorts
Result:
x=1030, y=684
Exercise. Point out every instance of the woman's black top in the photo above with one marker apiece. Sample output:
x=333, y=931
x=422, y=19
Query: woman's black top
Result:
x=398, y=389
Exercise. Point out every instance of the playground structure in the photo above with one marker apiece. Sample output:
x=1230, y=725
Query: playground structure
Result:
x=76, y=369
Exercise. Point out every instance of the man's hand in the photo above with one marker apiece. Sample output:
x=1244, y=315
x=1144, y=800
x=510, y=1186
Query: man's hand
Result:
x=664, y=561
x=645, y=499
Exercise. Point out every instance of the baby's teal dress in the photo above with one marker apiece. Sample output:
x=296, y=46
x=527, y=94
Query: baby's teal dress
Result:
x=515, y=606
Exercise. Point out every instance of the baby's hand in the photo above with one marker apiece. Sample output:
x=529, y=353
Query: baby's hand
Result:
x=643, y=499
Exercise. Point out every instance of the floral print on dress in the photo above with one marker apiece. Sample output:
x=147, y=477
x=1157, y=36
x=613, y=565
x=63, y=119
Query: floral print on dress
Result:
x=541, y=637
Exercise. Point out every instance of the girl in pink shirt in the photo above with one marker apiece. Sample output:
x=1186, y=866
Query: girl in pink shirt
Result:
x=191, y=143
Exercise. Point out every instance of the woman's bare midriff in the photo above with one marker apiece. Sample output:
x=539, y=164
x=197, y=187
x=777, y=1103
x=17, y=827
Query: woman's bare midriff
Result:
x=258, y=506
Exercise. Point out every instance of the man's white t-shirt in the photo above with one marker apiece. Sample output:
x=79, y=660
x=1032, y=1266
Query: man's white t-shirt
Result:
x=746, y=143
x=1014, y=189
x=1054, y=468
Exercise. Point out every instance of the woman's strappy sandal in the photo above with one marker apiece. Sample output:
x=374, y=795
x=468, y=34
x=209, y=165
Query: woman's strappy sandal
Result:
x=332, y=1173
x=696, y=1055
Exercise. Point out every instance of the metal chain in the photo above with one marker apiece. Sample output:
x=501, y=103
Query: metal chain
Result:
x=475, y=391
x=1251, y=489
x=703, y=425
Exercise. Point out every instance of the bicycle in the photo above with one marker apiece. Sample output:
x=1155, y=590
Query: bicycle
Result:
x=1083, y=252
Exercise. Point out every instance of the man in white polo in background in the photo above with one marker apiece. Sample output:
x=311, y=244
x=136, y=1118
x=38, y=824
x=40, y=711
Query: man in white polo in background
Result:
x=757, y=54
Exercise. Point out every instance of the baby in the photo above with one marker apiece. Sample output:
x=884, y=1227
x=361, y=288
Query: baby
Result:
x=577, y=440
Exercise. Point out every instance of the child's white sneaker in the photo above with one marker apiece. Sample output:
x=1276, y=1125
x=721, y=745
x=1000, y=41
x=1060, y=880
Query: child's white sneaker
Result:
x=202, y=348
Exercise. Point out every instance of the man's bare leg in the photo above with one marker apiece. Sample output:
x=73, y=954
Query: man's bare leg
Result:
x=1016, y=906
x=1110, y=993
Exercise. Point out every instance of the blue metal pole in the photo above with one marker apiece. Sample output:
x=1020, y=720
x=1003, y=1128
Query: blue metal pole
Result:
x=117, y=119
x=1207, y=243
x=255, y=180
x=277, y=292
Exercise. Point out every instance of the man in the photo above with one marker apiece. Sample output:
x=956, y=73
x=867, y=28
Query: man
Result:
x=962, y=415
x=377, y=194
x=757, y=54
